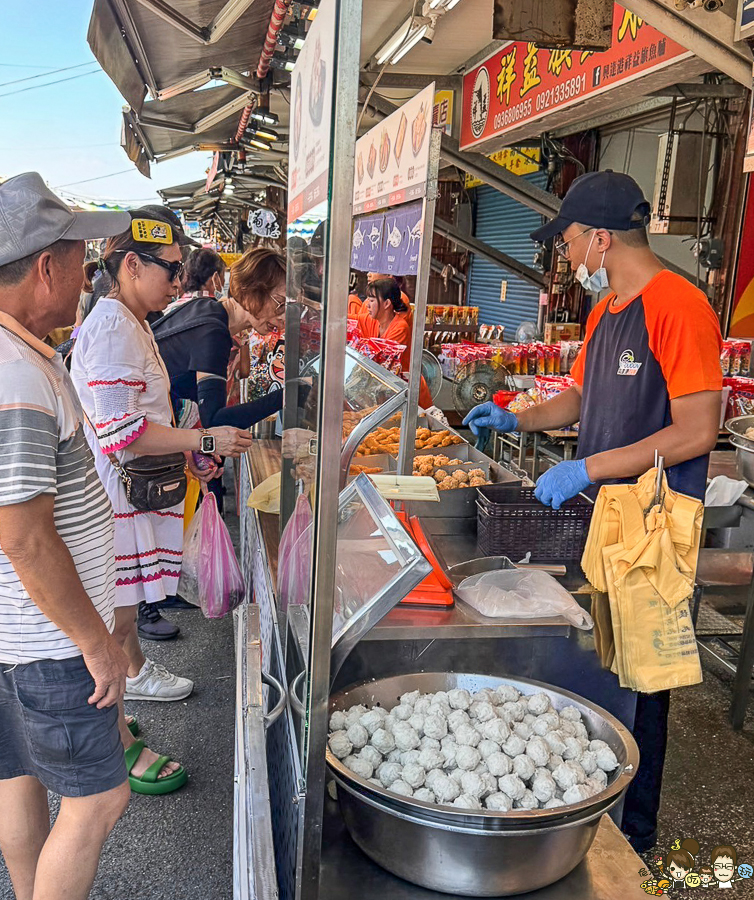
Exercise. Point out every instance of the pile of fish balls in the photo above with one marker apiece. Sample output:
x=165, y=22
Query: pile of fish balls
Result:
x=495, y=749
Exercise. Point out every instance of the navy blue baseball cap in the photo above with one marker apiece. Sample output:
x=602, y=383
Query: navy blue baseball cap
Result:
x=601, y=199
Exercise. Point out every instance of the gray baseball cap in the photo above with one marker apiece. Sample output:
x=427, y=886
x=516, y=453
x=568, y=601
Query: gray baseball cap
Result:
x=32, y=218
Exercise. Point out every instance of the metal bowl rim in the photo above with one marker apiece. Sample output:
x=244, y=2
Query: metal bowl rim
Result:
x=737, y=425
x=614, y=789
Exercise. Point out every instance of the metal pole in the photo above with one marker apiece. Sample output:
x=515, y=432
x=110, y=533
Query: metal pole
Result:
x=410, y=416
x=330, y=425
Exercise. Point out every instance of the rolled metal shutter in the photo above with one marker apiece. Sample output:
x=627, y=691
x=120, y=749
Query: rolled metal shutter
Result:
x=504, y=224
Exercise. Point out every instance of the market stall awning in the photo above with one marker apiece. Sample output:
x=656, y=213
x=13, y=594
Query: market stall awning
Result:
x=150, y=45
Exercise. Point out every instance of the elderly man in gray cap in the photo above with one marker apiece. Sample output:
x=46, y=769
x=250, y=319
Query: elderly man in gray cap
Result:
x=61, y=671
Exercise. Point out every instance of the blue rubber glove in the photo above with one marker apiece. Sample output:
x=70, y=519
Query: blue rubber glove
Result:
x=490, y=415
x=562, y=482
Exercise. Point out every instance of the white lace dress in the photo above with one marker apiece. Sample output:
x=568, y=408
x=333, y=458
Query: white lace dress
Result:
x=123, y=384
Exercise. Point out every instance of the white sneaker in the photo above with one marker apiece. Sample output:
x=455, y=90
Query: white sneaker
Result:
x=154, y=682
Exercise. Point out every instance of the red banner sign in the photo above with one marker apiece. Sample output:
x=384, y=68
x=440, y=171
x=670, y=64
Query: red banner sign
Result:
x=521, y=82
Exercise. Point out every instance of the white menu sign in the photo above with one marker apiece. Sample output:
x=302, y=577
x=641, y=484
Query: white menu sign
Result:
x=311, y=112
x=392, y=159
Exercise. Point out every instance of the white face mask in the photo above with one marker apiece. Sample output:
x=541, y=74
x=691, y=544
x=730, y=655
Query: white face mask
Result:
x=597, y=281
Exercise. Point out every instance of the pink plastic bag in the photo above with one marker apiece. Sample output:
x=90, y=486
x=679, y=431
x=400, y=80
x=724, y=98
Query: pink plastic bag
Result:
x=294, y=560
x=210, y=575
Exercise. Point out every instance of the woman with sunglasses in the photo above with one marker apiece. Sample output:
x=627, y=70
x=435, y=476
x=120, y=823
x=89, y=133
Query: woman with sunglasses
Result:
x=124, y=390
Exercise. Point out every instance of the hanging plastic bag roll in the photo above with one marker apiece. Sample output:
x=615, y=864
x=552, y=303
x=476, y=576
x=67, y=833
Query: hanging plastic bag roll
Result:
x=521, y=594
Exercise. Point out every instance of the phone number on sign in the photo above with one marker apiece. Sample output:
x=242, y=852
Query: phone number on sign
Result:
x=514, y=114
x=566, y=90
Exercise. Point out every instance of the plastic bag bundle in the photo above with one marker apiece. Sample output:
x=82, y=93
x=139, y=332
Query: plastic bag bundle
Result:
x=645, y=559
x=294, y=558
x=521, y=594
x=210, y=575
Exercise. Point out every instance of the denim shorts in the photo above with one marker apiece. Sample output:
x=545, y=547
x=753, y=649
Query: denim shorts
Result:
x=48, y=729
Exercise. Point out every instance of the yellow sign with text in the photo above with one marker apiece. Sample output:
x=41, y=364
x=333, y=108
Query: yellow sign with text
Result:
x=520, y=162
x=442, y=114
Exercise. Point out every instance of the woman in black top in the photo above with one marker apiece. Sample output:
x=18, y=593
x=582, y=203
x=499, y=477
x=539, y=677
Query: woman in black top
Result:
x=195, y=337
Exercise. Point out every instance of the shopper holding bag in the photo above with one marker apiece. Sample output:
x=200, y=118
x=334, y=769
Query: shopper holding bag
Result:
x=123, y=386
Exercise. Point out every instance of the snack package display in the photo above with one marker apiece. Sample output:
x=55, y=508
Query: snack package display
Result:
x=383, y=351
x=735, y=358
x=741, y=398
x=267, y=364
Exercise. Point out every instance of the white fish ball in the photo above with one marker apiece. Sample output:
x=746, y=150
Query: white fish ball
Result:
x=389, y=772
x=489, y=784
x=554, y=761
x=354, y=714
x=372, y=721
x=428, y=743
x=588, y=761
x=538, y=704
x=417, y=723
x=430, y=758
x=514, y=745
x=449, y=751
x=485, y=695
x=606, y=759
x=537, y=749
x=499, y=802
x=499, y=764
x=458, y=718
x=600, y=776
x=554, y=803
x=338, y=721
x=467, y=758
x=405, y=736
x=573, y=748
x=383, y=741
x=435, y=726
x=524, y=767
x=568, y=774
x=487, y=748
x=430, y=777
x=513, y=712
x=506, y=693
x=567, y=728
x=459, y=698
x=409, y=756
x=457, y=775
x=425, y=795
x=555, y=742
x=340, y=745
x=576, y=794
x=422, y=705
x=543, y=786
x=547, y=722
x=530, y=719
x=394, y=755
x=482, y=710
x=414, y=774
x=358, y=735
x=445, y=789
x=497, y=731
x=512, y=786
x=595, y=785
x=372, y=755
x=402, y=712
x=528, y=801
x=472, y=784
x=523, y=730
x=468, y=735
x=361, y=767
x=466, y=801
x=410, y=697
x=570, y=712
x=400, y=787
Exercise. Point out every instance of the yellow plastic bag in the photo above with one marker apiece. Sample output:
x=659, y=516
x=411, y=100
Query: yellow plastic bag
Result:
x=266, y=496
x=192, y=495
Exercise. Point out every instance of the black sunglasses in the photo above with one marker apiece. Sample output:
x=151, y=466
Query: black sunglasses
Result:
x=174, y=269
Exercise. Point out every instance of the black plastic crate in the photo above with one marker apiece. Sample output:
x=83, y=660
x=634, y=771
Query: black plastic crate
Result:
x=511, y=522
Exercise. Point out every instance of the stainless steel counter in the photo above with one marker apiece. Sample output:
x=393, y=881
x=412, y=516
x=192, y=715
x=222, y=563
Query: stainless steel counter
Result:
x=610, y=870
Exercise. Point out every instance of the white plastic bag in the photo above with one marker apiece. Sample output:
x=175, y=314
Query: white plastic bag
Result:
x=522, y=594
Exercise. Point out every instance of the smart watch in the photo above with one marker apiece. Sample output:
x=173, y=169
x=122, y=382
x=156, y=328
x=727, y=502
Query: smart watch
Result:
x=207, y=442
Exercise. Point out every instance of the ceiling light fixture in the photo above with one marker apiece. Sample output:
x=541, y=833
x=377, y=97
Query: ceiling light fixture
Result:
x=414, y=29
x=420, y=34
x=263, y=114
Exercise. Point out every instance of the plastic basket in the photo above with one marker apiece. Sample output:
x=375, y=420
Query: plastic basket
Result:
x=511, y=522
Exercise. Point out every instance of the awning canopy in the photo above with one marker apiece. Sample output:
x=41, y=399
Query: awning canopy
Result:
x=171, y=48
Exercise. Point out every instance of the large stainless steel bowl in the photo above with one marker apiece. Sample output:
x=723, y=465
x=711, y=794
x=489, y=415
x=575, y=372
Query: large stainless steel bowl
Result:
x=737, y=429
x=485, y=853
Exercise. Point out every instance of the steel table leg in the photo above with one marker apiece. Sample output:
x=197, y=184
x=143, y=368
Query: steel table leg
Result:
x=742, y=681
x=523, y=440
x=535, y=457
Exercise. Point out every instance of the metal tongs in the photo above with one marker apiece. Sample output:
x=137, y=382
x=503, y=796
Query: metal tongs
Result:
x=659, y=496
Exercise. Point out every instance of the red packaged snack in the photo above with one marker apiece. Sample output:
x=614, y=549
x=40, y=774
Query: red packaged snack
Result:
x=725, y=358
x=503, y=398
x=542, y=354
x=744, y=348
x=531, y=357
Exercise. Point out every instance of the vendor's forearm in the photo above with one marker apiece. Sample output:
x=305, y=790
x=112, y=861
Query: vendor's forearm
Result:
x=156, y=440
x=560, y=412
x=44, y=565
x=673, y=443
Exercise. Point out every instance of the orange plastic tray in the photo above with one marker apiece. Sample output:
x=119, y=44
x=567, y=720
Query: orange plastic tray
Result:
x=435, y=589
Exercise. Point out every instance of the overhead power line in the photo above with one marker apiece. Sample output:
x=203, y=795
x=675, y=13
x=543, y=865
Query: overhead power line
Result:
x=92, y=62
x=98, y=178
x=36, y=87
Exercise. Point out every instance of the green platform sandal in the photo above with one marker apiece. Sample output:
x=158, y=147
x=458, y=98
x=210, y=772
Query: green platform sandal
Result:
x=149, y=783
x=133, y=726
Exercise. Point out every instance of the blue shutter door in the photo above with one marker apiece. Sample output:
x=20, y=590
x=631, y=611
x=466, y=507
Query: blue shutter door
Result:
x=504, y=224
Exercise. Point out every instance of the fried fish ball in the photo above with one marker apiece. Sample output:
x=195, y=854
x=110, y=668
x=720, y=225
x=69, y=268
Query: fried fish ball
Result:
x=441, y=460
x=427, y=470
x=461, y=476
x=477, y=482
x=476, y=473
x=440, y=475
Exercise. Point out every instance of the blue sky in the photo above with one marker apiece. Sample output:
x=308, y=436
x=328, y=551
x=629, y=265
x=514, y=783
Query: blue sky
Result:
x=70, y=131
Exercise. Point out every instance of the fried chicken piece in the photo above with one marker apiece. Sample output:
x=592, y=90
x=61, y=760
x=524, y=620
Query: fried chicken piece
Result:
x=461, y=476
x=478, y=482
x=456, y=439
x=447, y=442
x=440, y=475
x=441, y=460
x=427, y=469
x=448, y=484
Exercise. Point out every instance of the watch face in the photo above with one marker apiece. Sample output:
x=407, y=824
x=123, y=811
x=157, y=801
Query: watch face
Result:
x=208, y=443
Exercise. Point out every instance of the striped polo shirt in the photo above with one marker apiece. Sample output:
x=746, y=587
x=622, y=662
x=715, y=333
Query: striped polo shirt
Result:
x=43, y=451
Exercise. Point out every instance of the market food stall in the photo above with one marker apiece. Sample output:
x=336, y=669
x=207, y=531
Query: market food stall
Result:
x=352, y=524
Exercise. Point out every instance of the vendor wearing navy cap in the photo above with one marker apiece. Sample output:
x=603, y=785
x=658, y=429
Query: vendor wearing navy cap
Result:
x=647, y=379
